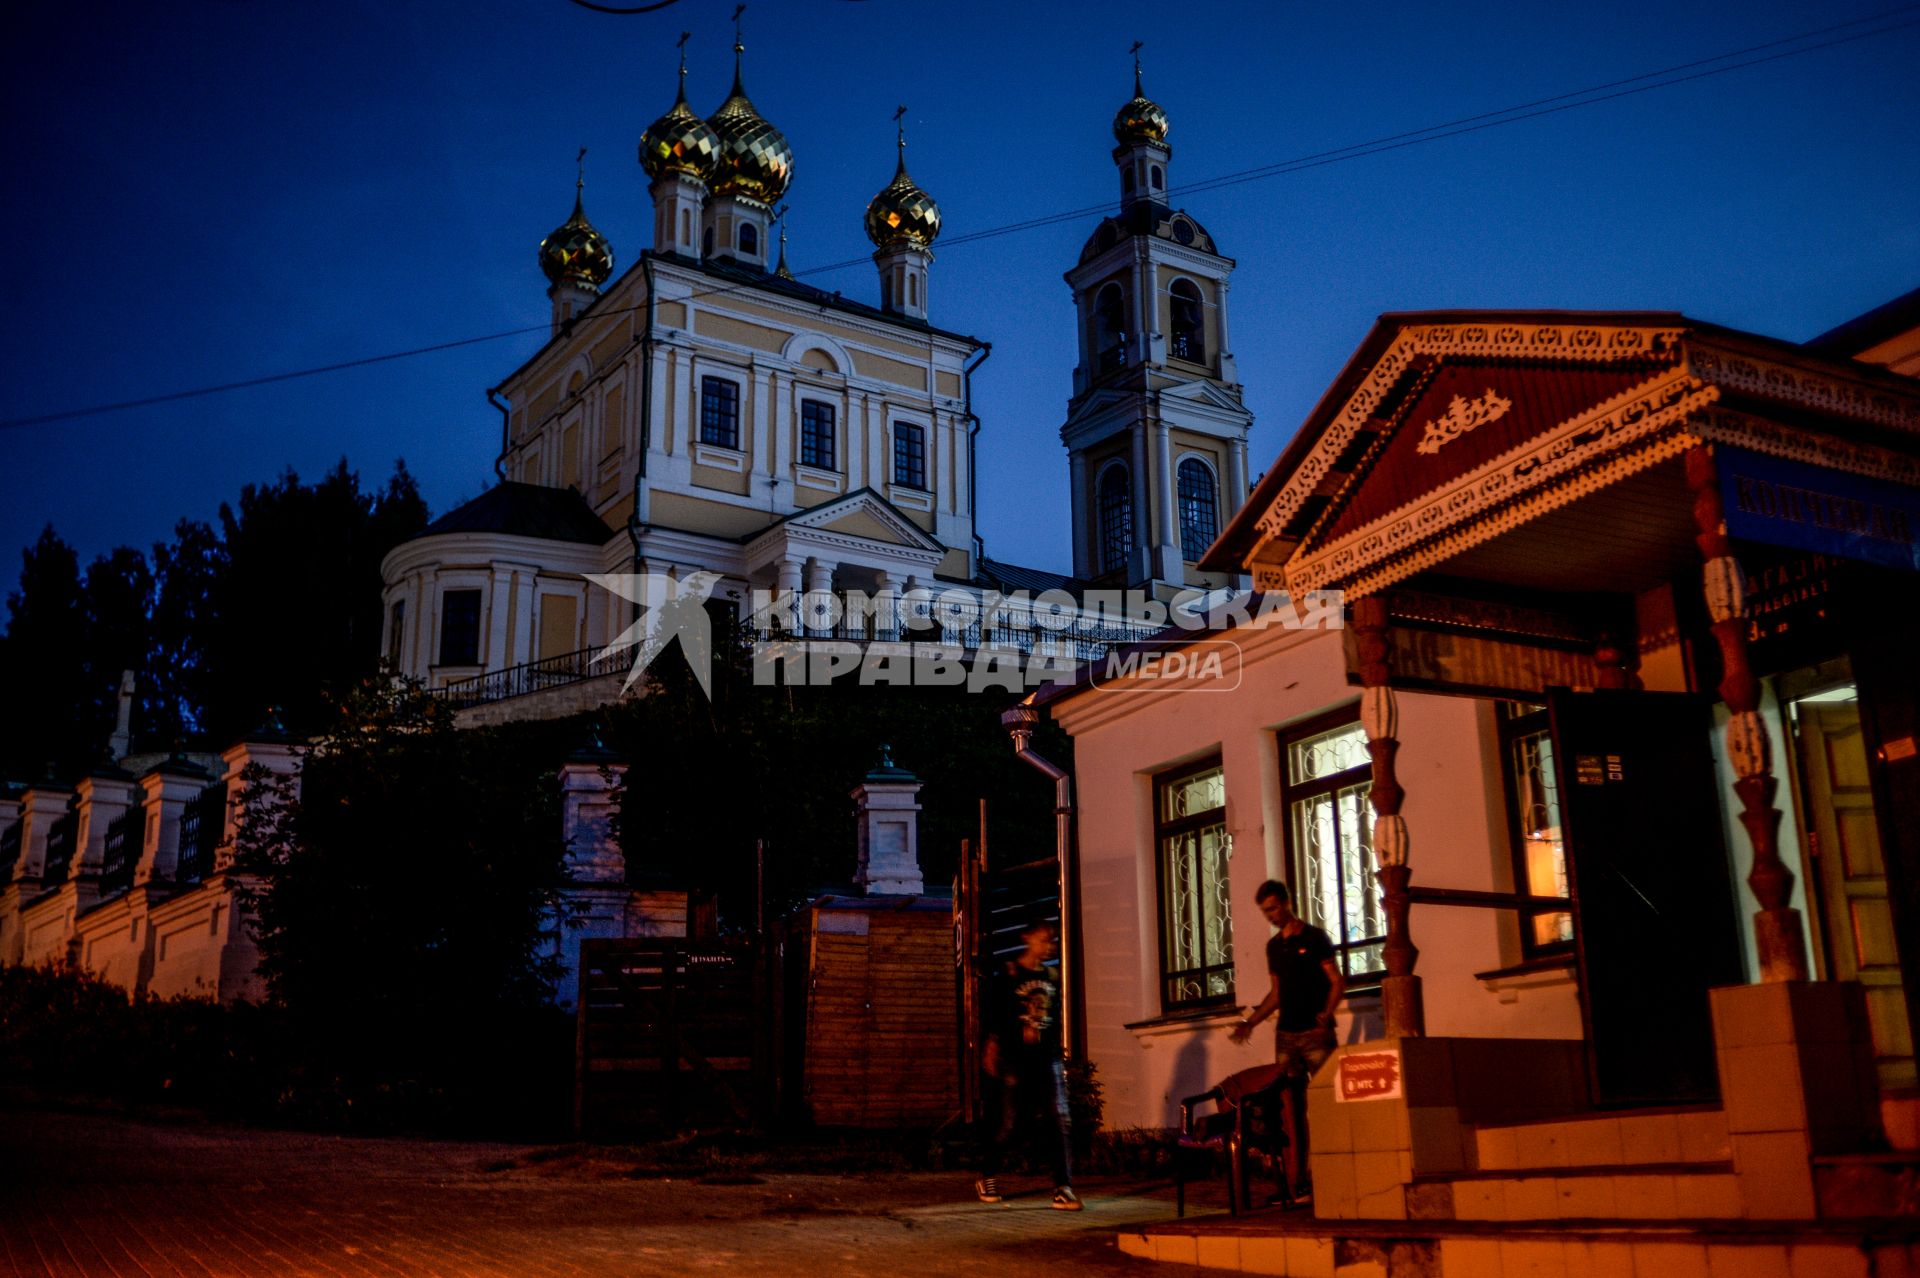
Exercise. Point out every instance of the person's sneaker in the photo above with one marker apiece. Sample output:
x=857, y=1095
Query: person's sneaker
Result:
x=1064, y=1199
x=986, y=1190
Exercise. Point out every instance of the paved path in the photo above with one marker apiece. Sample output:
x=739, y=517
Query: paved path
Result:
x=98, y=1195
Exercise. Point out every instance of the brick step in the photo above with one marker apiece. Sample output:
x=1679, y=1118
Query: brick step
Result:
x=1656, y=1136
x=1635, y=1191
x=1297, y=1244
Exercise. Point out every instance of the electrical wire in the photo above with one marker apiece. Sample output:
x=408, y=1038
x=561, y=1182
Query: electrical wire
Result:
x=1646, y=82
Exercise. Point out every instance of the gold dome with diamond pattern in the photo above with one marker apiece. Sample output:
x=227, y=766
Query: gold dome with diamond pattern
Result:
x=754, y=160
x=576, y=253
x=1140, y=120
x=902, y=213
x=680, y=141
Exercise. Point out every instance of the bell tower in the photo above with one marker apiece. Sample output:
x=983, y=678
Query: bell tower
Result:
x=1156, y=430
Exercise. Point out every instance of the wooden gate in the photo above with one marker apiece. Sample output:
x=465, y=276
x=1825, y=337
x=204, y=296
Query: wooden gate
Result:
x=667, y=1036
x=992, y=906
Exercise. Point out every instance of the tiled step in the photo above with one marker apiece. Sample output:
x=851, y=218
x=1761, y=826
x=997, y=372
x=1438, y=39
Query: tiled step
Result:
x=1606, y=1140
x=1640, y=1191
x=1295, y=1244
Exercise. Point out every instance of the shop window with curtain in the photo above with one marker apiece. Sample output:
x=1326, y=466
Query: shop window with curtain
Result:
x=1534, y=823
x=1327, y=778
x=1196, y=919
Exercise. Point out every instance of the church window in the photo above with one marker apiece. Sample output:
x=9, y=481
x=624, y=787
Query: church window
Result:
x=913, y=290
x=1199, y=508
x=749, y=238
x=1116, y=519
x=816, y=434
x=686, y=227
x=909, y=456
x=706, y=242
x=1110, y=328
x=719, y=412
x=1189, y=324
x=460, y=628
x=396, y=629
x=1126, y=179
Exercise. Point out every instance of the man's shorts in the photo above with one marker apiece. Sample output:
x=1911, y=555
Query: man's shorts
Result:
x=1301, y=1053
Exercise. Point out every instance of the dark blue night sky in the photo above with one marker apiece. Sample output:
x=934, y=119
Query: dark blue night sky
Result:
x=207, y=190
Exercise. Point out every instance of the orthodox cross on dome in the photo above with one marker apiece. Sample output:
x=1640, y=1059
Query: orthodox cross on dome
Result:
x=681, y=44
x=900, y=125
x=580, y=174
x=1135, y=51
x=739, y=41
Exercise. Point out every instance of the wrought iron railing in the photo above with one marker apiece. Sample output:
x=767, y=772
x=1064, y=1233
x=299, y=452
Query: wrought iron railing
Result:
x=59, y=849
x=1189, y=347
x=201, y=825
x=9, y=852
x=534, y=676
x=124, y=838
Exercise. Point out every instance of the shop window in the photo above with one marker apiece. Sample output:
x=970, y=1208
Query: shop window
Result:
x=816, y=434
x=1187, y=311
x=460, y=628
x=1116, y=518
x=1534, y=823
x=909, y=456
x=1196, y=918
x=1199, y=508
x=719, y=412
x=1327, y=777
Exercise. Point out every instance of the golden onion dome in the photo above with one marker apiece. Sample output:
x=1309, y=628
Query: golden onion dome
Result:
x=680, y=141
x=576, y=253
x=754, y=158
x=902, y=213
x=1140, y=120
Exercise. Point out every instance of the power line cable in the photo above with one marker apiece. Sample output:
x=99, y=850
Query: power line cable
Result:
x=1646, y=82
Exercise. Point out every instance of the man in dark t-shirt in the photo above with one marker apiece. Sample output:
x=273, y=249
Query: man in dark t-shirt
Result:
x=1306, y=991
x=1023, y=1054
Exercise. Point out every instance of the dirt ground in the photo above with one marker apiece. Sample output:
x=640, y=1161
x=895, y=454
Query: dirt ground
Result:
x=97, y=1194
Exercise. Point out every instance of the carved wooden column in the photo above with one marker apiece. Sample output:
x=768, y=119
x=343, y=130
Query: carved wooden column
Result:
x=1380, y=717
x=1777, y=927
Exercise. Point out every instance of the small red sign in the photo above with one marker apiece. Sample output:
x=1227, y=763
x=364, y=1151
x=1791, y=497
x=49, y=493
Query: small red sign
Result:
x=1365, y=1076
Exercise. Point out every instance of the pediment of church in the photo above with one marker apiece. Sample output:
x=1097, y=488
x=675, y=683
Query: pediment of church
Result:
x=862, y=524
x=1445, y=431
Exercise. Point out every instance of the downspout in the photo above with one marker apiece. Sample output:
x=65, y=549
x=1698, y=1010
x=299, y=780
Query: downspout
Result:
x=973, y=455
x=646, y=413
x=506, y=432
x=1020, y=722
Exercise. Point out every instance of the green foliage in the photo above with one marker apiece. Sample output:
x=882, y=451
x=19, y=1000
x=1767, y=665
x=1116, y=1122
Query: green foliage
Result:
x=406, y=901
x=279, y=607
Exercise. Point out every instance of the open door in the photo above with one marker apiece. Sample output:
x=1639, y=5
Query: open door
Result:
x=1857, y=917
x=1655, y=926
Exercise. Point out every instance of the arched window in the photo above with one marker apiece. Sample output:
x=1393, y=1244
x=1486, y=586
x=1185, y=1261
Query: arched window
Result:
x=1126, y=179
x=1199, y=509
x=749, y=238
x=706, y=242
x=1116, y=518
x=913, y=290
x=686, y=227
x=1189, y=337
x=1157, y=176
x=1110, y=328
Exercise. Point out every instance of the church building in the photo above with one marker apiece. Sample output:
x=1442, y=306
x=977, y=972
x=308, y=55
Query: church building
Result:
x=707, y=411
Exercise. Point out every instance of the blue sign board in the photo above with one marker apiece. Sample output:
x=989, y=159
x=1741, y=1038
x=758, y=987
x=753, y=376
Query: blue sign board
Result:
x=1788, y=503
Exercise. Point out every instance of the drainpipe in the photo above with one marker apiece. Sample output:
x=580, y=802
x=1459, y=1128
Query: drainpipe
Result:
x=506, y=432
x=1020, y=722
x=646, y=413
x=973, y=453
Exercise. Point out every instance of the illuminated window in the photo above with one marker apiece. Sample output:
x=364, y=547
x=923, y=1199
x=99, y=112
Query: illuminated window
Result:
x=1196, y=916
x=1533, y=820
x=1327, y=778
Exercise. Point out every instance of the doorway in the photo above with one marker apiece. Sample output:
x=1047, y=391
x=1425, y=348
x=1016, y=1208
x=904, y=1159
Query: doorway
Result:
x=1833, y=807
